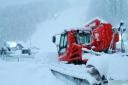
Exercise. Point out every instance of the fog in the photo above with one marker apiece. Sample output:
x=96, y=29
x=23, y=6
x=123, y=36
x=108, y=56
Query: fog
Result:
x=40, y=19
x=18, y=19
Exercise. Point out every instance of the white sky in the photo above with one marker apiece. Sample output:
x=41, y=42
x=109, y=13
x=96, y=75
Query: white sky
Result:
x=4, y=3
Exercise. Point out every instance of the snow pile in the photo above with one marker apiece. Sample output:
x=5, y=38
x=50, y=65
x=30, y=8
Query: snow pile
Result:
x=111, y=65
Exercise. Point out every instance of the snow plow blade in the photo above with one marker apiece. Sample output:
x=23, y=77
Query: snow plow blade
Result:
x=74, y=74
x=77, y=74
x=69, y=79
x=70, y=74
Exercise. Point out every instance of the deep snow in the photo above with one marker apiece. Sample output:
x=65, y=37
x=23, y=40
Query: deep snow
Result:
x=24, y=73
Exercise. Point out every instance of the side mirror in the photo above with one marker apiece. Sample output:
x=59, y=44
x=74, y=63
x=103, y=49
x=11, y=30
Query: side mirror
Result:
x=54, y=39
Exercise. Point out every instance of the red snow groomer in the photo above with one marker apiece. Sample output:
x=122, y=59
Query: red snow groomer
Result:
x=96, y=36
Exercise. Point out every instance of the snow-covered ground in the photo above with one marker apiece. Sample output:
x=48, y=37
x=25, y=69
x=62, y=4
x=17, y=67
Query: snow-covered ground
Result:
x=24, y=73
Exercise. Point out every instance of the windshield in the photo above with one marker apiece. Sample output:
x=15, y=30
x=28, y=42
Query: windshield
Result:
x=63, y=43
x=83, y=37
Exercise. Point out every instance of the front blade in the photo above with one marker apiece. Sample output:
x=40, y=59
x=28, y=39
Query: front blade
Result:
x=69, y=80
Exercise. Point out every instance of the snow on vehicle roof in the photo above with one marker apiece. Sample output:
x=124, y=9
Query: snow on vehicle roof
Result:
x=11, y=44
